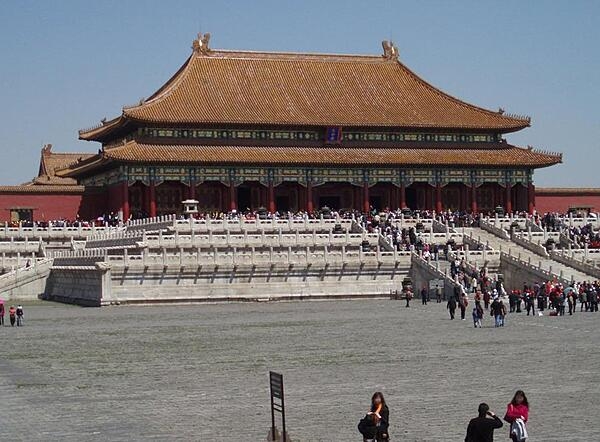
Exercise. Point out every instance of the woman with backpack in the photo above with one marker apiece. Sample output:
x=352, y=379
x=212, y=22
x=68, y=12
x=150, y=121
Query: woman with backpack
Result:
x=517, y=414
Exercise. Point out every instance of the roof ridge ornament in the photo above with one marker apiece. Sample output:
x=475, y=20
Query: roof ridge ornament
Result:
x=390, y=51
x=200, y=44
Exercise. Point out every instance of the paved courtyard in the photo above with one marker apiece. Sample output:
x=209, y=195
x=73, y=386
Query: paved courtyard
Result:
x=200, y=372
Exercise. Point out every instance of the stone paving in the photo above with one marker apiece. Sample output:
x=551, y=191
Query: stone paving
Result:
x=200, y=372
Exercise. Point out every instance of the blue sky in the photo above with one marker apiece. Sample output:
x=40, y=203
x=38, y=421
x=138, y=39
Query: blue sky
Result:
x=67, y=64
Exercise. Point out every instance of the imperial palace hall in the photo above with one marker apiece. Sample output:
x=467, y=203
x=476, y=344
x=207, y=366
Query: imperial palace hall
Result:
x=240, y=130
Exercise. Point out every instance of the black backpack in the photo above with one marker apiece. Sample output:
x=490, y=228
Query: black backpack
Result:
x=367, y=427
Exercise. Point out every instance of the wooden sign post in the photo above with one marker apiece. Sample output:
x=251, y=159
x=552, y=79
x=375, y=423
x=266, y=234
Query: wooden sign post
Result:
x=277, y=404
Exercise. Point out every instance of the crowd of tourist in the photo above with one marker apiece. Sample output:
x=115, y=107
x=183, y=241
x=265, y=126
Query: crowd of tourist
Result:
x=110, y=219
x=579, y=236
x=583, y=236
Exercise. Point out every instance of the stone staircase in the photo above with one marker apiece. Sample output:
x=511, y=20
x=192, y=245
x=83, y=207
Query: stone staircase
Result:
x=26, y=282
x=505, y=245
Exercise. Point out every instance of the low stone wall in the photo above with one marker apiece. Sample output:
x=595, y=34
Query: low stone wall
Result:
x=243, y=282
x=84, y=285
x=423, y=271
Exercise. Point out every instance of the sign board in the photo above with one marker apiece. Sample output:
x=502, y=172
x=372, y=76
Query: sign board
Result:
x=277, y=402
x=333, y=135
x=435, y=283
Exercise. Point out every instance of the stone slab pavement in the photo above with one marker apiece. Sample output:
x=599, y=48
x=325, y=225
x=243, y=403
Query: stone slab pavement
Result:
x=200, y=372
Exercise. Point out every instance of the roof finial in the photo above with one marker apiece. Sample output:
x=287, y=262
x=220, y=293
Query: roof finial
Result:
x=390, y=51
x=200, y=44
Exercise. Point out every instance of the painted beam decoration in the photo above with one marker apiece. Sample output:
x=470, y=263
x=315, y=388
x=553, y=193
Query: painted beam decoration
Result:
x=331, y=135
x=316, y=175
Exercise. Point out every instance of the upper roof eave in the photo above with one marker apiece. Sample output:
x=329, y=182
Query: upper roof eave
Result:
x=104, y=128
x=146, y=110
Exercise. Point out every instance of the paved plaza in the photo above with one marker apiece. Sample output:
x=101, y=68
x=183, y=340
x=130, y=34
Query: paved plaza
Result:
x=200, y=372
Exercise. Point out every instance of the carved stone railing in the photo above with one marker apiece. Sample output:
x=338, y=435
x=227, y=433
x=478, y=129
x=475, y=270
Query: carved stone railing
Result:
x=536, y=248
x=307, y=256
x=541, y=273
x=582, y=265
x=494, y=230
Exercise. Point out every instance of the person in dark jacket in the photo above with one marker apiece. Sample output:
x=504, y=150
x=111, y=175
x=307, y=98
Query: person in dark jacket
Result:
x=451, y=306
x=424, y=294
x=481, y=428
x=381, y=415
x=498, y=310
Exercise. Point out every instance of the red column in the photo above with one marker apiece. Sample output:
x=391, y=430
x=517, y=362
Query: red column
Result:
x=366, y=204
x=508, y=198
x=232, y=197
x=530, y=198
x=474, y=198
x=438, y=197
x=125, y=200
x=152, y=191
x=272, y=207
x=192, y=190
x=402, y=196
x=309, y=198
x=147, y=200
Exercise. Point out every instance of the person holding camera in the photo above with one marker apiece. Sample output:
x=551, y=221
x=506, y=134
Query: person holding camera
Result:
x=481, y=428
x=374, y=426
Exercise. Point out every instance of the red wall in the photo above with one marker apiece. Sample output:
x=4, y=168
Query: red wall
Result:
x=50, y=206
x=561, y=203
x=46, y=207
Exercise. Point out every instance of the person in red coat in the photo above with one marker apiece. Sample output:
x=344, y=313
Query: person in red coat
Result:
x=517, y=409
